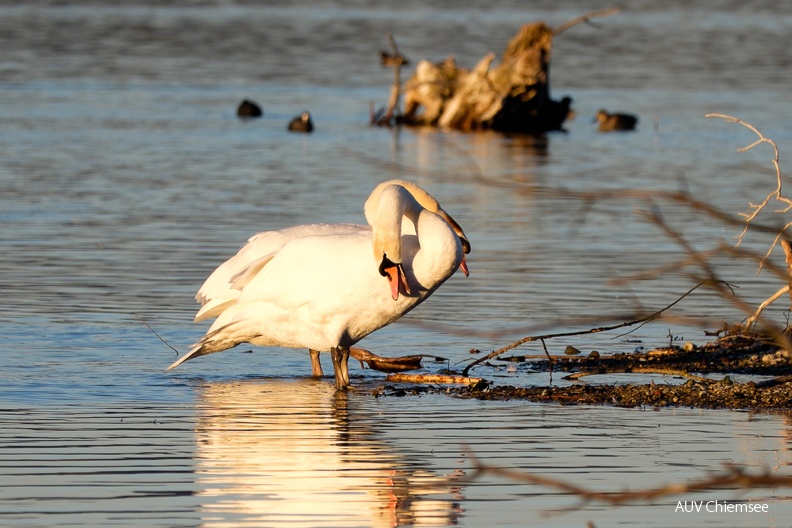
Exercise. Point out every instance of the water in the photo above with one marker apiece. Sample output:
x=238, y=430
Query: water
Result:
x=126, y=178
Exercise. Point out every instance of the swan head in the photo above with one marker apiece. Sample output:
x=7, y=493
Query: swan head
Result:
x=385, y=210
x=426, y=201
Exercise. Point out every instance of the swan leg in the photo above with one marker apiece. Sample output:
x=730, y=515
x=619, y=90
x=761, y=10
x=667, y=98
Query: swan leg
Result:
x=340, y=356
x=316, y=365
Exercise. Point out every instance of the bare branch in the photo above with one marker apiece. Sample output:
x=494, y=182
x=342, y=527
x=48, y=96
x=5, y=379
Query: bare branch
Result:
x=775, y=195
x=585, y=18
x=712, y=280
x=732, y=476
x=641, y=370
x=396, y=60
x=770, y=300
x=139, y=318
x=542, y=338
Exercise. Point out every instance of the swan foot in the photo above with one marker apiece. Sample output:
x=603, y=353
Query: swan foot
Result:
x=316, y=365
x=340, y=356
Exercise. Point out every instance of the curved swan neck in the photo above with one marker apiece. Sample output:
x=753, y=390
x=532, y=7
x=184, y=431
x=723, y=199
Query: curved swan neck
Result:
x=424, y=199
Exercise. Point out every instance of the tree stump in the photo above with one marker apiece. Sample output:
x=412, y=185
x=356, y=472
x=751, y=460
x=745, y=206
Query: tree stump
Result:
x=513, y=96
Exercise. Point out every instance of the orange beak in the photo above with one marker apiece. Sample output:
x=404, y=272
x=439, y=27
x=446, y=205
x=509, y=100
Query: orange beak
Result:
x=463, y=267
x=396, y=277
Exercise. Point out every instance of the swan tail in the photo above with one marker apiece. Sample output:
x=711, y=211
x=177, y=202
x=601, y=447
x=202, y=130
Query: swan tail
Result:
x=193, y=353
x=216, y=341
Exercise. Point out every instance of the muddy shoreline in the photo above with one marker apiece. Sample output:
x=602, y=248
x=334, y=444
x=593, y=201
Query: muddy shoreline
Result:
x=708, y=369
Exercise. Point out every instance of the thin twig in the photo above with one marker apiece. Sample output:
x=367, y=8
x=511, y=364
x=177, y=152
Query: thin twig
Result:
x=139, y=318
x=524, y=340
x=776, y=194
x=767, y=302
x=393, y=104
x=732, y=476
x=585, y=18
x=641, y=370
x=712, y=280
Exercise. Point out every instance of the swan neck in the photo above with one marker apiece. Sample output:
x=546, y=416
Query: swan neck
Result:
x=394, y=203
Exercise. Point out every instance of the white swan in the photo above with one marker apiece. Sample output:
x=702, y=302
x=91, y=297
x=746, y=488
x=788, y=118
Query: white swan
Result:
x=322, y=289
x=220, y=290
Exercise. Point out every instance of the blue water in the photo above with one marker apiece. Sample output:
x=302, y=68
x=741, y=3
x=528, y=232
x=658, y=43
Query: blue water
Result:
x=126, y=179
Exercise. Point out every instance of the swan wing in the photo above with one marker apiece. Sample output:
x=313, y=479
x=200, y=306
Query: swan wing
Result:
x=312, y=293
x=314, y=269
x=223, y=286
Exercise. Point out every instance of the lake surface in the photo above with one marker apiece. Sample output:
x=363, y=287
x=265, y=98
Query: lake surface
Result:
x=126, y=179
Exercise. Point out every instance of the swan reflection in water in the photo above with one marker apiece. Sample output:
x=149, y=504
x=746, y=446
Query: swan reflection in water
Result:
x=271, y=451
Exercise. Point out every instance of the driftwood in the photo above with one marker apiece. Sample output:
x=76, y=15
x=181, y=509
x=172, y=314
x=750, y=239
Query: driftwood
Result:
x=512, y=96
x=445, y=379
x=397, y=366
x=642, y=370
x=385, y=364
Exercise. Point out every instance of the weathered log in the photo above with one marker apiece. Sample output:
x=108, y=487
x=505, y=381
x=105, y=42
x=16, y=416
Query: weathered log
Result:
x=428, y=89
x=513, y=96
x=445, y=379
x=385, y=364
